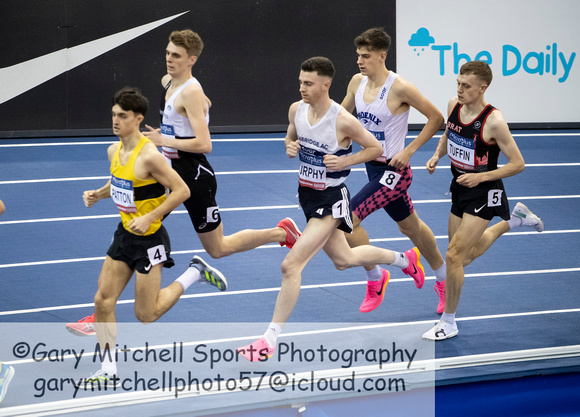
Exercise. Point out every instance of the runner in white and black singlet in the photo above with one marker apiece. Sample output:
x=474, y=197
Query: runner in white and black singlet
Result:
x=383, y=100
x=185, y=139
x=320, y=133
x=476, y=133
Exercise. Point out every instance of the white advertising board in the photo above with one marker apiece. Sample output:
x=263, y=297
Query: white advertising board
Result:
x=531, y=46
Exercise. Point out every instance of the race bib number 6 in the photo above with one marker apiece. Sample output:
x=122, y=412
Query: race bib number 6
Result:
x=213, y=214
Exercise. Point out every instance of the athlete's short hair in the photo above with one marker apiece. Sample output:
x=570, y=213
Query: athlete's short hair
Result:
x=131, y=99
x=478, y=68
x=187, y=39
x=376, y=39
x=319, y=64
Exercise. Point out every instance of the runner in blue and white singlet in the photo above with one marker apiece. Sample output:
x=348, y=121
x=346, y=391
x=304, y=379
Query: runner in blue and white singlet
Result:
x=382, y=100
x=322, y=190
x=194, y=168
x=376, y=117
x=387, y=187
x=185, y=138
x=173, y=124
x=315, y=142
x=320, y=132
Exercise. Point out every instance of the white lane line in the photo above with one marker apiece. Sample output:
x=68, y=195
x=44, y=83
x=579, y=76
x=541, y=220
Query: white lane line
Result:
x=304, y=287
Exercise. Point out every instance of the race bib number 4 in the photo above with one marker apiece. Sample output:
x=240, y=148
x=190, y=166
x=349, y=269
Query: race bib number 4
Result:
x=157, y=254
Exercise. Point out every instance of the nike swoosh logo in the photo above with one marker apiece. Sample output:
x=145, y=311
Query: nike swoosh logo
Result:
x=147, y=268
x=479, y=209
x=20, y=78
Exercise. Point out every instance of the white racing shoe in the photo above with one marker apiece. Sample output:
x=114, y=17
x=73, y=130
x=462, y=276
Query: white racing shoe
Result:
x=441, y=331
x=528, y=218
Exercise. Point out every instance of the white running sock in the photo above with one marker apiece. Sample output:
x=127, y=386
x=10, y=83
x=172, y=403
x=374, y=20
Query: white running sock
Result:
x=441, y=273
x=514, y=222
x=374, y=274
x=108, y=366
x=448, y=318
x=272, y=334
x=190, y=276
x=401, y=260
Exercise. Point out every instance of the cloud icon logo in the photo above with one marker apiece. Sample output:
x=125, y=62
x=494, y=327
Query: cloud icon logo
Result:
x=421, y=38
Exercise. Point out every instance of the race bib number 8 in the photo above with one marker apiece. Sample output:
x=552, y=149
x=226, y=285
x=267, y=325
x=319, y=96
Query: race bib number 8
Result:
x=390, y=179
x=494, y=198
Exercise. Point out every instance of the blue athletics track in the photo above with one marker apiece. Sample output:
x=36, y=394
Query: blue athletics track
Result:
x=517, y=352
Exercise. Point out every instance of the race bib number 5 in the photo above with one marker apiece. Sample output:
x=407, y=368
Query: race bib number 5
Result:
x=494, y=198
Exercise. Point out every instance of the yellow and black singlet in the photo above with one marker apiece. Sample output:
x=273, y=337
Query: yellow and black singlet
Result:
x=133, y=196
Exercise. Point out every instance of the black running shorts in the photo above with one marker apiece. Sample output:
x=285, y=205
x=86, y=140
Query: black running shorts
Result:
x=333, y=201
x=140, y=253
x=486, y=201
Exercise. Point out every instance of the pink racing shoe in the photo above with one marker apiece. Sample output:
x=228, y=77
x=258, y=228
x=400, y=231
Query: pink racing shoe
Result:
x=292, y=232
x=258, y=351
x=440, y=290
x=415, y=269
x=84, y=327
x=375, y=292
